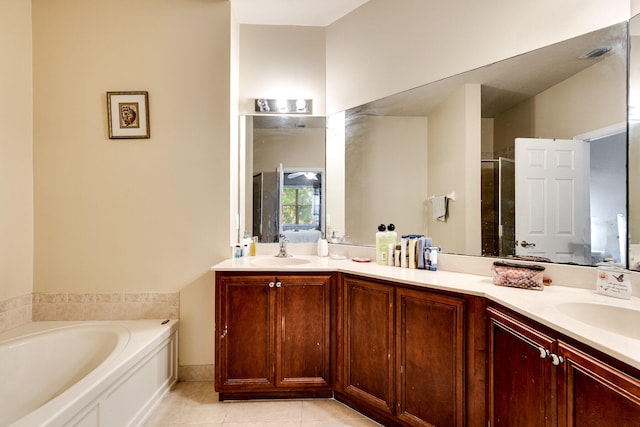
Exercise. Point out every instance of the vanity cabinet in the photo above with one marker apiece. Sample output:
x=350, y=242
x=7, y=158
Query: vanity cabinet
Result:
x=273, y=335
x=538, y=378
x=401, y=353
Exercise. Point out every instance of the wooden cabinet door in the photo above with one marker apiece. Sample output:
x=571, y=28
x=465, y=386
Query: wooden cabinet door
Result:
x=303, y=331
x=593, y=393
x=522, y=380
x=369, y=356
x=245, y=333
x=430, y=356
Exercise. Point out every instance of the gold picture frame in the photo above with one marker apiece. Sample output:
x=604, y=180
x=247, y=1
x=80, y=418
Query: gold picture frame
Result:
x=128, y=114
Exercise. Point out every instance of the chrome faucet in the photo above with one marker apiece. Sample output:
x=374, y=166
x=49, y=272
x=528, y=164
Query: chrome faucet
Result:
x=282, y=253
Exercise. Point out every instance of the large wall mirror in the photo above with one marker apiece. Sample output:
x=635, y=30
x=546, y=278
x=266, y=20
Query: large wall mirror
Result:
x=529, y=155
x=634, y=143
x=283, y=189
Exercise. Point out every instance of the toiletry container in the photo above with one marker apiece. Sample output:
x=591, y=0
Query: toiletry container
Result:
x=403, y=251
x=390, y=255
x=381, y=245
x=392, y=235
x=433, y=259
x=323, y=247
x=391, y=239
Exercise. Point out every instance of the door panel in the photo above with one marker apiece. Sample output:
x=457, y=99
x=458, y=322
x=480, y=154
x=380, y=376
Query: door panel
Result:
x=430, y=340
x=522, y=384
x=304, y=332
x=552, y=199
x=596, y=394
x=368, y=342
x=245, y=331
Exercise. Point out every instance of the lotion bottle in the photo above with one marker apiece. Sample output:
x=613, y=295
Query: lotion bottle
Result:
x=381, y=245
x=392, y=235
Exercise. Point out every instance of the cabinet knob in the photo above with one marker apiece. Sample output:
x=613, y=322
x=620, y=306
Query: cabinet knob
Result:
x=555, y=359
x=271, y=284
x=278, y=284
x=543, y=352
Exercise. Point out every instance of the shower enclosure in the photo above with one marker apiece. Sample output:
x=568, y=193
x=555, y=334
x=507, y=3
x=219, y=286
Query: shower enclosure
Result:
x=498, y=207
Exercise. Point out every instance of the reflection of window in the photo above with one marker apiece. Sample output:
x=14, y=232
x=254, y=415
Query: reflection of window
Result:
x=297, y=205
x=301, y=200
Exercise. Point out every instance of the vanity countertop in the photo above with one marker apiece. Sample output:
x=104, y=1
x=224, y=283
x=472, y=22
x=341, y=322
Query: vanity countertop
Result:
x=544, y=306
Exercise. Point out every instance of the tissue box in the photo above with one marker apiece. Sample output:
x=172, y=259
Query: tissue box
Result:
x=518, y=275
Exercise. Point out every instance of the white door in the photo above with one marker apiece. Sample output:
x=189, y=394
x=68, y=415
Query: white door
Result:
x=552, y=199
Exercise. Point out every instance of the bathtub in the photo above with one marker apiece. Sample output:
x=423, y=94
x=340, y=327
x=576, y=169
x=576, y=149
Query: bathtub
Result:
x=91, y=373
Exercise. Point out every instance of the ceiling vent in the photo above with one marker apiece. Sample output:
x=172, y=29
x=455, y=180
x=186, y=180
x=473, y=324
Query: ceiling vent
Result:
x=596, y=53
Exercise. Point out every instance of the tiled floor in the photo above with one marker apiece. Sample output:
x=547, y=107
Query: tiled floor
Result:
x=196, y=404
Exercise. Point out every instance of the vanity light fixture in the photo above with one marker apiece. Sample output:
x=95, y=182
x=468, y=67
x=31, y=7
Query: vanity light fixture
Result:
x=283, y=106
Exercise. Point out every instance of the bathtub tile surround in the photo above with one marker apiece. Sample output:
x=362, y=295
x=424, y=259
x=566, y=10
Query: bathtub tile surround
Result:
x=196, y=404
x=15, y=311
x=105, y=306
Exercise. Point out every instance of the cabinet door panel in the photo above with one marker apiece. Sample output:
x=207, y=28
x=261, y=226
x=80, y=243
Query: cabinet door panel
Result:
x=368, y=343
x=430, y=342
x=304, y=333
x=245, y=330
x=596, y=394
x=522, y=385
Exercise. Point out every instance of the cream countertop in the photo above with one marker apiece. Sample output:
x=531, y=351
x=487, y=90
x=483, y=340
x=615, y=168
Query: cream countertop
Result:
x=541, y=306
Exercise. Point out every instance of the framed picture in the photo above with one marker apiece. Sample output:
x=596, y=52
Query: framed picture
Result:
x=128, y=115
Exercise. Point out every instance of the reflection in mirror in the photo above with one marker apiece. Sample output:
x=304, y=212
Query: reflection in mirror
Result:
x=285, y=191
x=458, y=136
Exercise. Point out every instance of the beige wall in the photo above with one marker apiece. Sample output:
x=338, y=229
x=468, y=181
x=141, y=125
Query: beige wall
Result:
x=516, y=122
x=454, y=159
x=16, y=152
x=581, y=104
x=133, y=215
x=282, y=62
x=293, y=147
x=588, y=101
x=372, y=52
x=375, y=192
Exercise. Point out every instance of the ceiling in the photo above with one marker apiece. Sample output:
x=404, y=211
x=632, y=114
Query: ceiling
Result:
x=314, y=13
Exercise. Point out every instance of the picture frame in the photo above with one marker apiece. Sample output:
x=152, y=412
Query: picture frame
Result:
x=128, y=115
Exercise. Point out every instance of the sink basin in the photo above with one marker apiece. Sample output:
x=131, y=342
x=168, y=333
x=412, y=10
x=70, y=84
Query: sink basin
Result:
x=619, y=320
x=278, y=262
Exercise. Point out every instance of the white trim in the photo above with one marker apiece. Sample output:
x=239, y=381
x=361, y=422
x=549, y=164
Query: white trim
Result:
x=602, y=132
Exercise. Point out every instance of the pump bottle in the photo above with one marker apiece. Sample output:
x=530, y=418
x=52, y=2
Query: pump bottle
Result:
x=381, y=245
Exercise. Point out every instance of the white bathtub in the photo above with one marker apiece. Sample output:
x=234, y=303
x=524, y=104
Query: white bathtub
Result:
x=93, y=373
